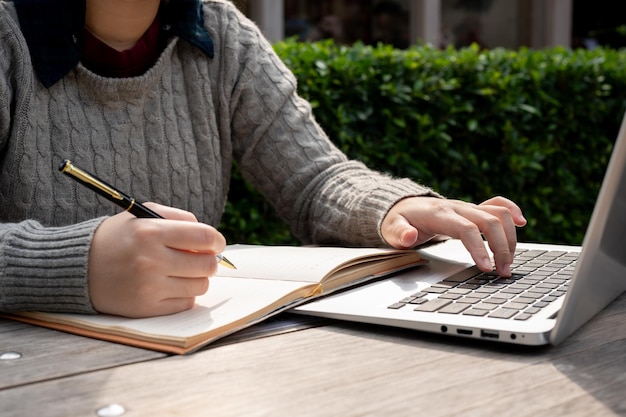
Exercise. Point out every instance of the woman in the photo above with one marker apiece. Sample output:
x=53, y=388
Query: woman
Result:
x=160, y=99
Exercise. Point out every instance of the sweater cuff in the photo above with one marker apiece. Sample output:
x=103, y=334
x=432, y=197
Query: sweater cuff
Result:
x=45, y=268
x=393, y=192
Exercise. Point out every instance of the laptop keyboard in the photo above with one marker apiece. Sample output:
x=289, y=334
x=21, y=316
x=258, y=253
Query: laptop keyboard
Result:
x=538, y=278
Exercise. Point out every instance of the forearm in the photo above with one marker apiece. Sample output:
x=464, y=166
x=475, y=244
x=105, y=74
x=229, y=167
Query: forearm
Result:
x=45, y=269
x=348, y=205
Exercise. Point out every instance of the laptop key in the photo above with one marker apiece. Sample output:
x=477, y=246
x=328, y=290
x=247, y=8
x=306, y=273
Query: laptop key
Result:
x=533, y=253
x=504, y=313
x=463, y=275
x=550, y=269
x=477, y=281
x=504, y=281
x=505, y=295
x=564, y=276
x=548, y=285
x=556, y=281
x=475, y=312
x=524, y=270
x=512, y=290
x=497, y=300
x=521, y=286
x=515, y=306
x=542, y=274
x=525, y=300
x=450, y=296
x=433, y=305
x=530, y=280
x=485, y=290
x=458, y=290
x=454, y=308
x=540, y=290
x=419, y=294
x=435, y=290
x=470, y=299
x=467, y=286
x=486, y=306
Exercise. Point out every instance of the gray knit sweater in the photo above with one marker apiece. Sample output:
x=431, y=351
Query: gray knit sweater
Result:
x=168, y=136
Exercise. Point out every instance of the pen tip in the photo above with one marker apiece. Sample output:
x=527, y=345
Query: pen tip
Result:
x=222, y=260
x=229, y=263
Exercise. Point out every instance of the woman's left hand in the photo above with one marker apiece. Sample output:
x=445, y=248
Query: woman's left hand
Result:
x=415, y=220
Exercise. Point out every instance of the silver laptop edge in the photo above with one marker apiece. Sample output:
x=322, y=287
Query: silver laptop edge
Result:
x=600, y=275
x=599, y=278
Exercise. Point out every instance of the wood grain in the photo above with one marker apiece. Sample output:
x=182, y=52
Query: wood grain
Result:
x=355, y=370
x=48, y=354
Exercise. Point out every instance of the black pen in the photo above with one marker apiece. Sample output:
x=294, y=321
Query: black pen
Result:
x=127, y=203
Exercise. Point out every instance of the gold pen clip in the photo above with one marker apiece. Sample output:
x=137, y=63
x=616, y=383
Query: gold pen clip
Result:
x=81, y=175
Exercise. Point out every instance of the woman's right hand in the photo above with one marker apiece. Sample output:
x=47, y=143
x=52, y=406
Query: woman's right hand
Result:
x=142, y=267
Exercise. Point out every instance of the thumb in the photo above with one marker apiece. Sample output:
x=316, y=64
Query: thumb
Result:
x=399, y=233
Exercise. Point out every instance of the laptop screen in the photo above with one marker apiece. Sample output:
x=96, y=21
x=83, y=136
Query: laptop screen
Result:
x=601, y=272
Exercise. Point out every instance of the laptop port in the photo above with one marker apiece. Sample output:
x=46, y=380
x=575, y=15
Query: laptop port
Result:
x=489, y=334
x=464, y=332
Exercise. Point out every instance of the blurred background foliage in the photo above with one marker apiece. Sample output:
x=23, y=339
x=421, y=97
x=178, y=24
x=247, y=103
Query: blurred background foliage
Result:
x=534, y=125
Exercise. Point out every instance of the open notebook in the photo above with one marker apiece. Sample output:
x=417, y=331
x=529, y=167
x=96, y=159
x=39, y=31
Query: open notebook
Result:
x=553, y=291
x=268, y=280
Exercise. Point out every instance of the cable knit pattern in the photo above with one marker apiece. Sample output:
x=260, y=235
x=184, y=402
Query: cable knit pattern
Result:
x=169, y=136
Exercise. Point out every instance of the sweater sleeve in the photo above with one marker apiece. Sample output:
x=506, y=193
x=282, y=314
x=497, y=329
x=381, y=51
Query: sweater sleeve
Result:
x=45, y=268
x=41, y=268
x=285, y=154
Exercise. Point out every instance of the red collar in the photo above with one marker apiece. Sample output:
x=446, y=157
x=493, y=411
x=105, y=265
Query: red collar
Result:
x=108, y=62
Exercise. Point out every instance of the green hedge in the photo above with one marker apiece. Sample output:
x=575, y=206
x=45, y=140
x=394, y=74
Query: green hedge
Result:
x=535, y=126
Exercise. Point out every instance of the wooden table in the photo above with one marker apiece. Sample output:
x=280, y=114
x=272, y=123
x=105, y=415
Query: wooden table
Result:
x=322, y=369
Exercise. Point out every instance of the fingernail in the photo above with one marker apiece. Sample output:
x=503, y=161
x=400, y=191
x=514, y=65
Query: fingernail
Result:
x=487, y=263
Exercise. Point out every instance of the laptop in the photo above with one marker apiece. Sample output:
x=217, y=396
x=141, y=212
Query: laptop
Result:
x=553, y=291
